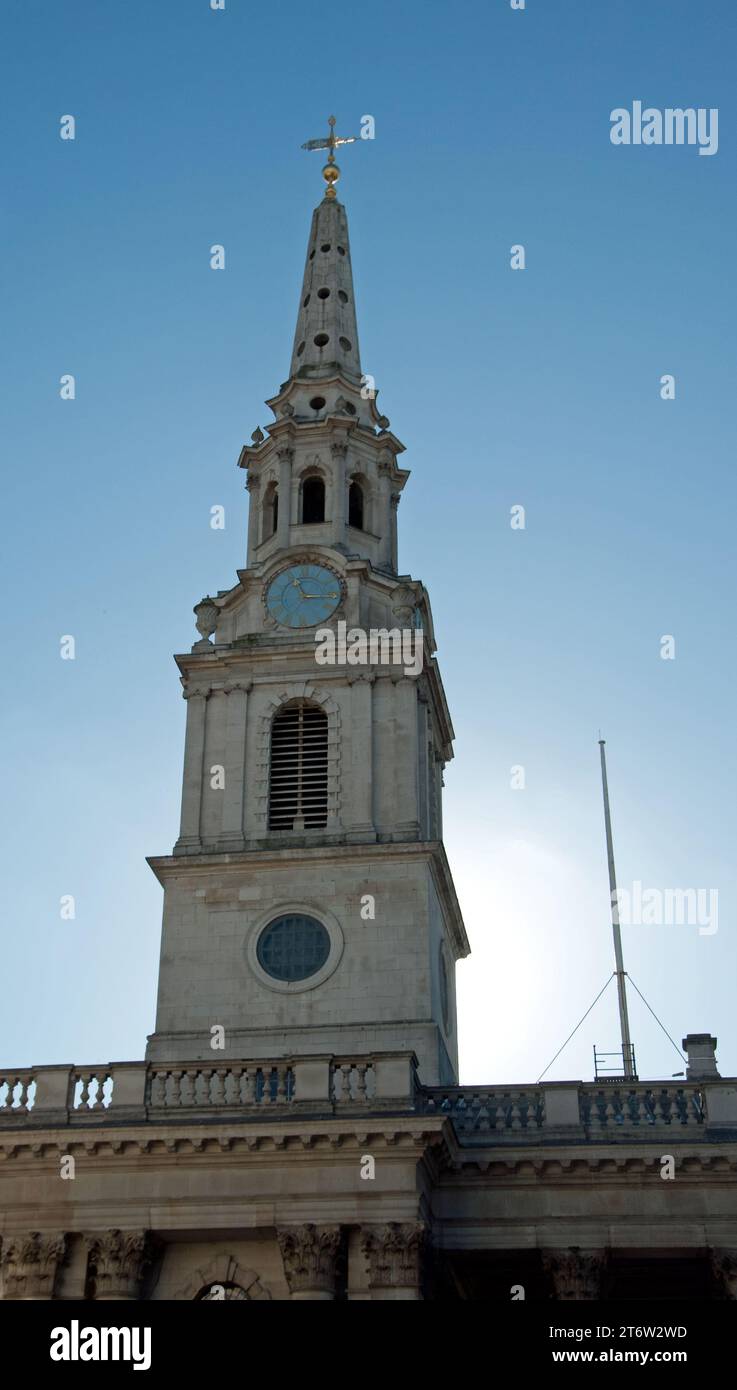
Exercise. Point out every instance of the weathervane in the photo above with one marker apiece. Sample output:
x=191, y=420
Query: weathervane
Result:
x=331, y=172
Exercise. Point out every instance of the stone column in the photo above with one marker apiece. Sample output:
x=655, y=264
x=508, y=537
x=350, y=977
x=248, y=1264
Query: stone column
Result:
x=120, y=1260
x=254, y=515
x=361, y=824
x=575, y=1274
x=194, y=749
x=405, y=756
x=285, y=456
x=235, y=763
x=724, y=1271
x=339, y=452
x=309, y=1254
x=394, y=1253
x=29, y=1264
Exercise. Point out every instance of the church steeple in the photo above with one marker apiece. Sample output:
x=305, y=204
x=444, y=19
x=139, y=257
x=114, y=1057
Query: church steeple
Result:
x=326, y=338
x=313, y=782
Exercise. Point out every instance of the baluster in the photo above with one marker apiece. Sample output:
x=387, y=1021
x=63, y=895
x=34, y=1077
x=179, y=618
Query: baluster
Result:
x=155, y=1088
x=188, y=1083
x=265, y=1074
x=345, y=1081
x=217, y=1090
x=84, y=1092
x=501, y=1115
x=516, y=1119
x=248, y=1086
x=661, y=1108
x=232, y=1077
x=642, y=1116
x=281, y=1085
x=482, y=1122
x=361, y=1081
x=172, y=1089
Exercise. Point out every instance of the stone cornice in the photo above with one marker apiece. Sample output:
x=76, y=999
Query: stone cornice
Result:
x=165, y=866
x=333, y=1139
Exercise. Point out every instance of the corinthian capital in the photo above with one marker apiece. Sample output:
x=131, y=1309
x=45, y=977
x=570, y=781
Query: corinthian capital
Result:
x=309, y=1254
x=120, y=1259
x=394, y=1252
x=575, y=1274
x=29, y=1263
x=724, y=1268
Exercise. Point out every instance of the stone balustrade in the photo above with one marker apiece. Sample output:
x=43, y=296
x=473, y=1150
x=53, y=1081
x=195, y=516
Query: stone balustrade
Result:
x=487, y=1110
x=573, y=1111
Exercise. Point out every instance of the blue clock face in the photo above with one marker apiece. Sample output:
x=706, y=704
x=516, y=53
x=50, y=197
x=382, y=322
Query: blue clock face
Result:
x=303, y=595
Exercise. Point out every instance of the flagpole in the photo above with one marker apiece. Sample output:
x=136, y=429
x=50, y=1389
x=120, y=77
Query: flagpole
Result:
x=624, y=1023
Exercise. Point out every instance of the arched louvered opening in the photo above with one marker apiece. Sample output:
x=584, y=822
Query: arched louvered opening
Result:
x=271, y=511
x=313, y=500
x=355, y=506
x=298, y=772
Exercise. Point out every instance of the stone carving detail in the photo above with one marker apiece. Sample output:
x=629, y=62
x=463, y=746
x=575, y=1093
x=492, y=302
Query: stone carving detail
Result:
x=404, y=600
x=575, y=1275
x=206, y=615
x=394, y=1252
x=120, y=1259
x=309, y=1254
x=724, y=1270
x=29, y=1264
x=222, y=1272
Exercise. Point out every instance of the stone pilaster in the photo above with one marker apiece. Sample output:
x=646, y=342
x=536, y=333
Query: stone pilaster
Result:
x=254, y=515
x=405, y=756
x=575, y=1274
x=309, y=1255
x=394, y=1252
x=396, y=498
x=724, y=1269
x=194, y=751
x=235, y=763
x=361, y=826
x=120, y=1260
x=285, y=455
x=386, y=514
x=29, y=1263
x=339, y=452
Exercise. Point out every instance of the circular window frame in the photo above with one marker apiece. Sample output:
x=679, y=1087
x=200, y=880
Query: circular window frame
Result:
x=303, y=909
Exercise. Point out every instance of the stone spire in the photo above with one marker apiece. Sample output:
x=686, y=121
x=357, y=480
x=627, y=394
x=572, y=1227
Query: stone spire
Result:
x=326, y=340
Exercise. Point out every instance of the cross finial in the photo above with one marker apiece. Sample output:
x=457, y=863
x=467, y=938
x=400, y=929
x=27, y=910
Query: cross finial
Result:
x=331, y=172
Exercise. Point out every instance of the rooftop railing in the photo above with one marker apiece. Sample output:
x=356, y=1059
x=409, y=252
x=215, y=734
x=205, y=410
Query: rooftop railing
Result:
x=556, y=1112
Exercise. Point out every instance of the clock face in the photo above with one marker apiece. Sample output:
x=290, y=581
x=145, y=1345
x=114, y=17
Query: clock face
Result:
x=303, y=595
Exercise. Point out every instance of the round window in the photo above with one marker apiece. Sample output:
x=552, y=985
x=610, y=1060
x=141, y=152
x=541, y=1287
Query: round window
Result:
x=293, y=948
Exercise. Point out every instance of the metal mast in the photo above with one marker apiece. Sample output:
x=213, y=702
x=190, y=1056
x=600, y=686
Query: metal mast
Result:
x=624, y=1022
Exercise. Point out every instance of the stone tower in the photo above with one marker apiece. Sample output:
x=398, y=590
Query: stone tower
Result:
x=309, y=909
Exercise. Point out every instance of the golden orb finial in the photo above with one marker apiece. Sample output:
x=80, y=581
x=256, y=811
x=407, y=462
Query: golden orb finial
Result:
x=331, y=172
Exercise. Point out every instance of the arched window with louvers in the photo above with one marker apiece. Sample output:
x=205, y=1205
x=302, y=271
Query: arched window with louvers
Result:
x=298, y=767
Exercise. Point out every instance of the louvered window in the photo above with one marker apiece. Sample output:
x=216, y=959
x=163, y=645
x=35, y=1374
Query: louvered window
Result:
x=298, y=776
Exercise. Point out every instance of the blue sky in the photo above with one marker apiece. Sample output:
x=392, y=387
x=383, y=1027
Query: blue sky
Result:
x=538, y=388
